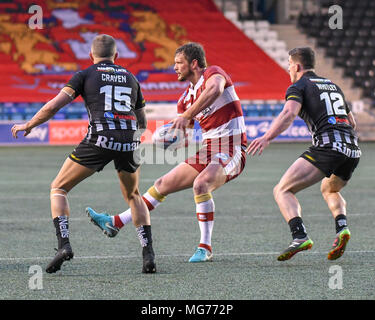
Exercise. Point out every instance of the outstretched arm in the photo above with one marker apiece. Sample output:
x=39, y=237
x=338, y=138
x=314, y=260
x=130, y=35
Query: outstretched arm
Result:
x=46, y=112
x=278, y=126
x=214, y=88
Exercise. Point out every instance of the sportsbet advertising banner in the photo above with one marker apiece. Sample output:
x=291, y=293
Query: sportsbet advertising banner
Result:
x=71, y=132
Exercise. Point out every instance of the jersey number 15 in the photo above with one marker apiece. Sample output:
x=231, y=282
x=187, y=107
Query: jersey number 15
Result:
x=117, y=96
x=334, y=103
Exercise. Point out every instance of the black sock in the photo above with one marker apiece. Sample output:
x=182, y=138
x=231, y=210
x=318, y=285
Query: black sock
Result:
x=62, y=230
x=340, y=222
x=297, y=228
x=144, y=235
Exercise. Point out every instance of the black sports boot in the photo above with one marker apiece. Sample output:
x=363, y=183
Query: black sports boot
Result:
x=145, y=237
x=63, y=254
x=149, y=265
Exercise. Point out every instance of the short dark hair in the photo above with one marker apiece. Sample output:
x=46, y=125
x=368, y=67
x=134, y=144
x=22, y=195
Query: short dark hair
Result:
x=103, y=46
x=303, y=55
x=193, y=50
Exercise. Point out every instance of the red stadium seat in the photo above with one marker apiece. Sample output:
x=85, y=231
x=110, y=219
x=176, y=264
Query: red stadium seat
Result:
x=147, y=31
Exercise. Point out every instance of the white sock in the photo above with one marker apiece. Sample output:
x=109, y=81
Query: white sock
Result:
x=205, y=208
x=152, y=198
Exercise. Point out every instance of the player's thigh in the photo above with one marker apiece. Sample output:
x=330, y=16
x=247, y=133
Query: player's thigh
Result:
x=332, y=184
x=179, y=178
x=70, y=174
x=300, y=175
x=211, y=178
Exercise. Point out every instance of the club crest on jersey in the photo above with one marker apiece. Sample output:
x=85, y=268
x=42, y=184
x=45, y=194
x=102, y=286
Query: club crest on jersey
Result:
x=206, y=111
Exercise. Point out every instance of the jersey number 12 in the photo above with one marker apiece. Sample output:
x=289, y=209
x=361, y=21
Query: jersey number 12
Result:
x=334, y=103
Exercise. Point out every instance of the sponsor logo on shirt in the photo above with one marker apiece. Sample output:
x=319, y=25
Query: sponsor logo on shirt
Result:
x=110, y=115
x=334, y=120
x=111, y=144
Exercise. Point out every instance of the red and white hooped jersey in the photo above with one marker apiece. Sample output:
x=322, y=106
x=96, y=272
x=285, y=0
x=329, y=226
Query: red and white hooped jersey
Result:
x=224, y=117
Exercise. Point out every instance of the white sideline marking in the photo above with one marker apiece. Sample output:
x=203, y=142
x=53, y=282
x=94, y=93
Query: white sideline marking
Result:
x=176, y=255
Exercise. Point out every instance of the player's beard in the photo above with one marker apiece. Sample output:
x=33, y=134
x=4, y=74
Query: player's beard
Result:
x=186, y=76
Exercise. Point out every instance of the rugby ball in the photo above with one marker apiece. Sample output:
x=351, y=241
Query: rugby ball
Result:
x=164, y=139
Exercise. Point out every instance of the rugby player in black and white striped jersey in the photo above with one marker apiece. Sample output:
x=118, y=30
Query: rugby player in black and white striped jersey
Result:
x=332, y=158
x=115, y=106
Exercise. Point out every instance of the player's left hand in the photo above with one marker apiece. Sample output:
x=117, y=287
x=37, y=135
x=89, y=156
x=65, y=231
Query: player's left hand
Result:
x=20, y=127
x=257, y=145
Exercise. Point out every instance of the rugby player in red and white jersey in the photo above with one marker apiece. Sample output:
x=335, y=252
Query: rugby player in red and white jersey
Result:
x=211, y=100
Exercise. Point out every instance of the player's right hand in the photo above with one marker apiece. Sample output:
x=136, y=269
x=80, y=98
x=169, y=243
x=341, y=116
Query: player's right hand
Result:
x=20, y=127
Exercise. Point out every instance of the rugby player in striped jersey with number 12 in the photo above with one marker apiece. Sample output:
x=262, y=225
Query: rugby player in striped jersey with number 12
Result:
x=331, y=159
x=211, y=100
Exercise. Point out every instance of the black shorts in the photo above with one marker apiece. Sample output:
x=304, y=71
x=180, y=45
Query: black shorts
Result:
x=331, y=162
x=121, y=146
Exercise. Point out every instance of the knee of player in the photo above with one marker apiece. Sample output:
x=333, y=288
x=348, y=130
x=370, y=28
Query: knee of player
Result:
x=132, y=195
x=200, y=186
x=57, y=192
x=57, y=187
x=324, y=190
x=164, y=186
x=158, y=182
x=278, y=191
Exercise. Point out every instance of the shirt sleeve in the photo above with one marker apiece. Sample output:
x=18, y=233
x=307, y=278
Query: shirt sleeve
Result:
x=76, y=83
x=294, y=93
x=210, y=71
x=347, y=108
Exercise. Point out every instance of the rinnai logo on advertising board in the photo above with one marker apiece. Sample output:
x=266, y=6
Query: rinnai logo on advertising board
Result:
x=67, y=132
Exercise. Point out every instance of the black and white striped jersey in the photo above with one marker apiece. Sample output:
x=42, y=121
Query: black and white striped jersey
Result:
x=111, y=94
x=324, y=111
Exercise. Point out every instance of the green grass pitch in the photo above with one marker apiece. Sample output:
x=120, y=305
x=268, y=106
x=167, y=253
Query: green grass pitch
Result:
x=249, y=232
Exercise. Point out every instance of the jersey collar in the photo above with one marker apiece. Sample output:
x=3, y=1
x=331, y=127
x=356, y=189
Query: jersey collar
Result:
x=105, y=61
x=309, y=73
